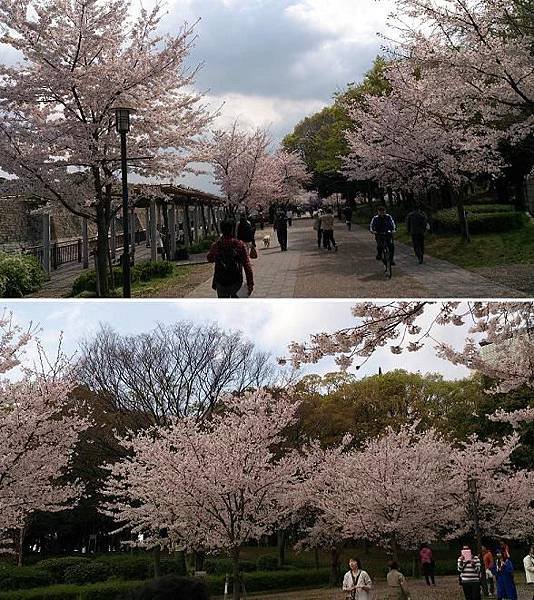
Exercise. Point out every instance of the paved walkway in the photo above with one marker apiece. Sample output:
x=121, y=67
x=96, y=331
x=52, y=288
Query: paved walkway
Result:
x=305, y=271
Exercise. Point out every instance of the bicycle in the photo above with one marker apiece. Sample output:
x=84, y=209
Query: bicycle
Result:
x=383, y=248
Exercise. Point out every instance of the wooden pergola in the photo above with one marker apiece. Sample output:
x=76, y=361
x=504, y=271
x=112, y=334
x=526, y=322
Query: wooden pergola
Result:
x=184, y=215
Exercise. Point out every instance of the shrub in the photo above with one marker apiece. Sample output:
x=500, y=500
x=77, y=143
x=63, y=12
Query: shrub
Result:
x=171, y=587
x=142, y=271
x=56, y=566
x=282, y=580
x=88, y=572
x=109, y=590
x=129, y=567
x=20, y=274
x=221, y=566
x=267, y=563
x=19, y=578
x=446, y=221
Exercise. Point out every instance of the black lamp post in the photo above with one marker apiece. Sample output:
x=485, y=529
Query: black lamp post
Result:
x=122, y=123
x=472, y=489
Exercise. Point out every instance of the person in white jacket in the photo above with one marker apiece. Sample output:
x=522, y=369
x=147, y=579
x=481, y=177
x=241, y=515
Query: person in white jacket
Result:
x=357, y=582
x=528, y=563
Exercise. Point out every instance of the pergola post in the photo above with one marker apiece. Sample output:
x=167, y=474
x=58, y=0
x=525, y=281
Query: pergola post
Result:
x=153, y=231
x=46, y=242
x=205, y=229
x=187, y=227
x=172, y=230
x=215, y=217
x=147, y=226
x=113, y=238
x=85, y=243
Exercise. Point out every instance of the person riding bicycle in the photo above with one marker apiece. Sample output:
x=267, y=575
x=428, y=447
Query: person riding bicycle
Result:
x=383, y=226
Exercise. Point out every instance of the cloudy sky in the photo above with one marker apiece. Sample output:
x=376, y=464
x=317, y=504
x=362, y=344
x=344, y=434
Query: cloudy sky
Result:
x=272, y=62
x=272, y=325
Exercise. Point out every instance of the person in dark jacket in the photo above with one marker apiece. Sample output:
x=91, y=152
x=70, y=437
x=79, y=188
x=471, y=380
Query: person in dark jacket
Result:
x=383, y=226
x=231, y=258
x=417, y=224
x=245, y=232
x=347, y=211
x=280, y=226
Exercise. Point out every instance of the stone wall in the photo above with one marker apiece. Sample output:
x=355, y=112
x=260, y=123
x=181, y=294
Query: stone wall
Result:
x=21, y=226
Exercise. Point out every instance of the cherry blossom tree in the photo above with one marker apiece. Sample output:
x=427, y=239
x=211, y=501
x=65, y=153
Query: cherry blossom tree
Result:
x=39, y=430
x=250, y=175
x=80, y=59
x=212, y=486
x=387, y=492
x=242, y=166
x=412, y=137
x=498, y=503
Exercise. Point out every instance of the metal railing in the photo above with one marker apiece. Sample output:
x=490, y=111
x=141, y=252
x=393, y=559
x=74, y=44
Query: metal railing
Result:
x=70, y=251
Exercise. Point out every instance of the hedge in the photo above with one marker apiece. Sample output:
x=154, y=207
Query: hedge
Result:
x=267, y=562
x=56, y=566
x=18, y=578
x=108, y=590
x=89, y=572
x=20, y=274
x=446, y=221
x=221, y=566
x=142, y=271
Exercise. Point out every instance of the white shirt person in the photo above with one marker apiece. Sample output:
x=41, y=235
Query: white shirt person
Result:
x=357, y=582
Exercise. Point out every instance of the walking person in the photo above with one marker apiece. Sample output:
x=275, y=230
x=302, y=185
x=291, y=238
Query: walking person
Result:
x=383, y=227
x=417, y=225
x=503, y=570
x=528, y=564
x=357, y=582
x=245, y=232
x=230, y=257
x=469, y=569
x=317, y=226
x=280, y=226
x=489, y=563
x=290, y=218
x=397, y=586
x=327, y=226
x=347, y=211
x=426, y=559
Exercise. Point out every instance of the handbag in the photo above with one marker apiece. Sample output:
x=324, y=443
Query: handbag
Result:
x=253, y=252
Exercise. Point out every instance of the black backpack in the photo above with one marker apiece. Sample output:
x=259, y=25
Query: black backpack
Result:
x=228, y=268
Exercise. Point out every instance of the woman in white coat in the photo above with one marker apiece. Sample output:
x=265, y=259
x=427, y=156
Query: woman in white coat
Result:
x=357, y=582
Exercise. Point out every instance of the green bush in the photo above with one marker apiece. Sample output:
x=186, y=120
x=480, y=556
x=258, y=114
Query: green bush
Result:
x=129, y=567
x=56, y=566
x=221, y=566
x=109, y=590
x=19, y=578
x=446, y=221
x=142, y=271
x=489, y=208
x=88, y=572
x=284, y=580
x=203, y=245
x=20, y=274
x=267, y=563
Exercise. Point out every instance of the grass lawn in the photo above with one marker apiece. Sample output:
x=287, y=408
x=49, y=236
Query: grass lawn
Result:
x=484, y=250
x=179, y=284
x=506, y=258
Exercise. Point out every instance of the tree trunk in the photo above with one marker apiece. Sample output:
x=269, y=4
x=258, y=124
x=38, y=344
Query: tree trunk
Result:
x=236, y=573
x=102, y=249
x=20, y=549
x=394, y=548
x=316, y=558
x=157, y=561
x=199, y=560
x=520, y=200
x=334, y=566
x=281, y=547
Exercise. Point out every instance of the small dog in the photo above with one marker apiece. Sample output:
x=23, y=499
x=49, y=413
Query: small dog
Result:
x=267, y=241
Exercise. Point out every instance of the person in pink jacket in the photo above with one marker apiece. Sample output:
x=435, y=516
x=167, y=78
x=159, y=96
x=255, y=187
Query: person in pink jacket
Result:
x=427, y=563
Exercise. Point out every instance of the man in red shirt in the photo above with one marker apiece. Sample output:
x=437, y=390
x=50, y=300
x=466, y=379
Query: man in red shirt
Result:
x=230, y=257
